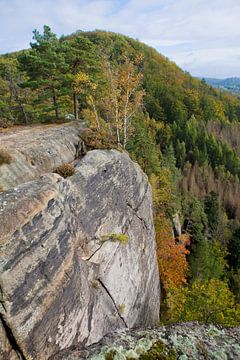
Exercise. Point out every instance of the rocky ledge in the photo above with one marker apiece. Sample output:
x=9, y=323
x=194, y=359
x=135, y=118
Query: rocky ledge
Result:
x=77, y=255
x=37, y=150
x=190, y=341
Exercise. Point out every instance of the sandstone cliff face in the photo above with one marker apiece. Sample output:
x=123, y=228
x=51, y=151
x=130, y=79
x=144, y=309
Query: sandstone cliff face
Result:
x=38, y=150
x=63, y=280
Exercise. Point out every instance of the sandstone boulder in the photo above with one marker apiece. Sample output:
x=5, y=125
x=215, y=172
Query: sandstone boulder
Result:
x=38, y=150
x=77, y=257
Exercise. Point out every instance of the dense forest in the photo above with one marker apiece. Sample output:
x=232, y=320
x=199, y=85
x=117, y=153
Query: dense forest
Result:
x=176, y=127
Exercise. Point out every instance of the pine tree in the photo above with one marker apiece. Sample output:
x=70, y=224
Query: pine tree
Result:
x=45, y=66
x=82, y=59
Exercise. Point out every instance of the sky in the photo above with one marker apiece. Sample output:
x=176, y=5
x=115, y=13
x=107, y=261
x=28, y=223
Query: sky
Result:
x=201, y=36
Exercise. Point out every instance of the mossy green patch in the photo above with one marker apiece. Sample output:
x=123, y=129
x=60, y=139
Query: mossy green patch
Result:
x=159, y=351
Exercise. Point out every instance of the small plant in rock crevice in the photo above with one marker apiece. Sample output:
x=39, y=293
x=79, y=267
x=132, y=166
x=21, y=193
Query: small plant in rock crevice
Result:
x=122, y=238
x=121, y=308
x=65, y=170
x=5, y=157
x=95, y=284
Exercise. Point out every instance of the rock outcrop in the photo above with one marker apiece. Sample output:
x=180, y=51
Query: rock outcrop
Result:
x=189, y=341
x=77, y=255
x=38, y=150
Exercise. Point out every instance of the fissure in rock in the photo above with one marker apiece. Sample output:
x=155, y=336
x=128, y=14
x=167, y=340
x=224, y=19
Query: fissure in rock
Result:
x=115, y=305
x=12, y=340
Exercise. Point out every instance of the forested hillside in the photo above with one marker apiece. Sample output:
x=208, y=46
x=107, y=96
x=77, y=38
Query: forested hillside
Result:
x=133, y=98
x=229, y=84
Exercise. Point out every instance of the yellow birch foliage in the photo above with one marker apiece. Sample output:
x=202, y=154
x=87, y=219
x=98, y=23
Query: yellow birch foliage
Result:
x=207, y=302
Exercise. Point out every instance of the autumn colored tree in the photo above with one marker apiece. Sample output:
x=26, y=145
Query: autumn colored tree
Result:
x=83, y=86
x=206, y=302
x=171, y=251
x=124, y=97
x=171, y=254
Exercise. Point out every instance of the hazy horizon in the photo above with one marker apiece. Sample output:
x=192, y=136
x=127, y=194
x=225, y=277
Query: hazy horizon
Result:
x=200, y=37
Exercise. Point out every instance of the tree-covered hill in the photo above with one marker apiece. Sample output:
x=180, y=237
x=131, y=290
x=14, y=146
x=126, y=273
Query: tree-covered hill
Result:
x=229, y=84
x=180, y=130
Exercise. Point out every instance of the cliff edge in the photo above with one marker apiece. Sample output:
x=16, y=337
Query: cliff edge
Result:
x=77, y=255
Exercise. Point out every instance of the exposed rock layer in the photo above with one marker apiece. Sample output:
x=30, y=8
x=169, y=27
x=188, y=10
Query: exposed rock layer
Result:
x=38, y=150
x=61, y=284
x=188, y=341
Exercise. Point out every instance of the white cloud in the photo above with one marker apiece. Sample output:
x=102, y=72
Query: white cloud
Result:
x=210, y=62
x=195, y=33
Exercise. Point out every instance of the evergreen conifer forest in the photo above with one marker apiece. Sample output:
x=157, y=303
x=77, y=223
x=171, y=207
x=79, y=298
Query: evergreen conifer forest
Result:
x=181, y=131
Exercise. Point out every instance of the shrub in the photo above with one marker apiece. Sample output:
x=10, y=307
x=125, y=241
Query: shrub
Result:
x=99, y=139
x=65, y=170
x=5, y=157
x=5, y=123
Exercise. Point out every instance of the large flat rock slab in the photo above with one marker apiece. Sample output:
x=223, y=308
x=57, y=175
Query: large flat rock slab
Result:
x=188, y=341
x=66, y=276
x=38, y=150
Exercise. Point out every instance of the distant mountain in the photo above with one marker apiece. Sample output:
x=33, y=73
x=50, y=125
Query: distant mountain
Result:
x=229, y=84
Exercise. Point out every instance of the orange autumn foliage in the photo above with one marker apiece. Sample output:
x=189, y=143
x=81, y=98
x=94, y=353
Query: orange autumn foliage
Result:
x=171, y=253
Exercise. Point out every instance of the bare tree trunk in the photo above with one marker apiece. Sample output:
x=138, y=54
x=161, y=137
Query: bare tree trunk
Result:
x=75, y=105
x=14, y=92
x=96, y=114
x=114, y=96
x=54, y=98
x=117, y=124
x=125, y=126
x=125, y=118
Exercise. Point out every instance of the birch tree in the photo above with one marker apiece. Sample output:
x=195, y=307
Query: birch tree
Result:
x=125, y=95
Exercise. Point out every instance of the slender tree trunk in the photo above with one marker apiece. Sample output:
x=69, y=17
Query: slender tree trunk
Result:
x=54, y=98
x=125, y=118
x=96, y=114
x=114, y=97
x=24, y=113
x=125, y=112
x=117, y=124
x=75, y=105
x=14, y=92
x=124, y=132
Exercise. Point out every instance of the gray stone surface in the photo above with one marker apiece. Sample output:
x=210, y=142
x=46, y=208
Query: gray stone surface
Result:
x=37, y=150
x=189, y=341
x=61, y=284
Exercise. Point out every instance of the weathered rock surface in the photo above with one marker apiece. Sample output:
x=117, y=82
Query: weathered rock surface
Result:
x=38, y=150
x=190, y=341
x=61, y=284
